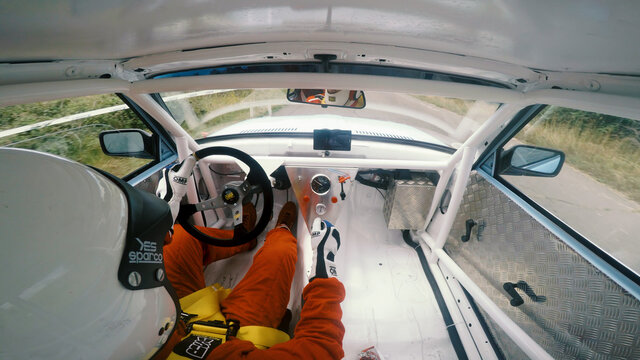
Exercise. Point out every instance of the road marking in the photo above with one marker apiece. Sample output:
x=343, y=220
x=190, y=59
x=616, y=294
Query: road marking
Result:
x=88, y=114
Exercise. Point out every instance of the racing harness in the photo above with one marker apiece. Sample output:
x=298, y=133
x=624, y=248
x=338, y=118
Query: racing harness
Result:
x=207, y=328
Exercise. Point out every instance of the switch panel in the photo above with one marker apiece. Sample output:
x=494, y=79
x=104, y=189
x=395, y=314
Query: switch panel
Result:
x=318, y=191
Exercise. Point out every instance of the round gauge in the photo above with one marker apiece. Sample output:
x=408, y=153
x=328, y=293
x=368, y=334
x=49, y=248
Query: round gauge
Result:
x=320, y=184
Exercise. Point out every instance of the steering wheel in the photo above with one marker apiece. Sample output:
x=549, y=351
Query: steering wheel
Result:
x=235, y=193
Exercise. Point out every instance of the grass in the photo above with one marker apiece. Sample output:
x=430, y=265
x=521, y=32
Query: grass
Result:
x=76, y=140
x=458, y=106
x=25, y=114
x=205, y=104
x=605, y=147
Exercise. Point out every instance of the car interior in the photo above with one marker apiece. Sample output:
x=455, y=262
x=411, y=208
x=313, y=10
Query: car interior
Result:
x=466, y=234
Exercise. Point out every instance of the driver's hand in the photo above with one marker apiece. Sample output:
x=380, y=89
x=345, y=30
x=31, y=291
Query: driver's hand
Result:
x=174, y=185
x=325, y=242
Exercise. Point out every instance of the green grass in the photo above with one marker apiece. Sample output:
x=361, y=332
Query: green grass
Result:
x=207, y=103
x=202, y=105
x=605, y=147
x=76, y=140
x=458, y=106
x=26, y=114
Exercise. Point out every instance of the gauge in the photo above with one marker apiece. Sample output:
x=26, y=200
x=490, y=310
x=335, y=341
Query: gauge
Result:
x=321, y=209
x=320, y=184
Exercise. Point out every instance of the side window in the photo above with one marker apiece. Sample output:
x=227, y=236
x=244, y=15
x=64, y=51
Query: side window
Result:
x=70, y=128
x=597, y=192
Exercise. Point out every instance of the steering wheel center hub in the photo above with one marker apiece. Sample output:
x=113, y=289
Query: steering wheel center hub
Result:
x=230, y=196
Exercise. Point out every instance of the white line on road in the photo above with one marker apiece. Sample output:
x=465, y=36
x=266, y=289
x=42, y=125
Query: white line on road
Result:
x=88, y=114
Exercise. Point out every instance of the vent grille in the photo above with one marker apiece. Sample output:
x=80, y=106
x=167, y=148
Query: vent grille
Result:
x=381, y=134
x=356, y=132
x=268, y=130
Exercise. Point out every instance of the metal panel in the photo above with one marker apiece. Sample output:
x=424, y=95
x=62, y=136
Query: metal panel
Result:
x=314, y=204
x=408, y=202
x=580, y=313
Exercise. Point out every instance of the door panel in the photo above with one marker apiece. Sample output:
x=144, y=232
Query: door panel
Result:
x=570, y=308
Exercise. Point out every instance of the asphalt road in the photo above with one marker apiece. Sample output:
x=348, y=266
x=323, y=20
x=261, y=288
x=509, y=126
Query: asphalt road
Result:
x=602, y=215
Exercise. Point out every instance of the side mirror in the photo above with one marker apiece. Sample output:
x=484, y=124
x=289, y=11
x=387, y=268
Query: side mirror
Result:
x=128, y=143
x=328, y=97
x=525, y=160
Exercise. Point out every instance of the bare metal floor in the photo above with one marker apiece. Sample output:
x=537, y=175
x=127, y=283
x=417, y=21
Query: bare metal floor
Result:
x=389, y=303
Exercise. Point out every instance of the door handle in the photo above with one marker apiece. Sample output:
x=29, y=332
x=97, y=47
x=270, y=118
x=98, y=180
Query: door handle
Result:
x=469, y=224
x=516, y=299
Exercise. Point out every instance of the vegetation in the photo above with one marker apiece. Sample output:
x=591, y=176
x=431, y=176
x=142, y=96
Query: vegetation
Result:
x=203, y=105
x=605, y=147
x=26, y=114
x=458, y=106
x=76, y=140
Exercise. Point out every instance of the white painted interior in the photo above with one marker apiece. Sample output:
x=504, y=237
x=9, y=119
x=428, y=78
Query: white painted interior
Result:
x=528, y=345
x=588, y=48
x=570, y=35
x=389, y=303
x=62, y=288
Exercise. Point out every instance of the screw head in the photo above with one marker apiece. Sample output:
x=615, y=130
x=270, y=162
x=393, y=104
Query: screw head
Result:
x=135, y=279
x=159, y=274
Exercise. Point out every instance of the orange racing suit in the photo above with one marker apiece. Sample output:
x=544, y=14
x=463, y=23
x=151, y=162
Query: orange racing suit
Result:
x=261, y=297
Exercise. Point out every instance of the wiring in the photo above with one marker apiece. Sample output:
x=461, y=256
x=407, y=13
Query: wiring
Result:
x=223, y=174
x=379, y=179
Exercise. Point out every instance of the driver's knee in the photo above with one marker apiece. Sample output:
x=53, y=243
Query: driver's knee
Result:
x=280, y=243
x=281, y=236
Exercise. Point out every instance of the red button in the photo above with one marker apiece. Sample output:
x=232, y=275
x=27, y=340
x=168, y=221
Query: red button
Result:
x=334, y=199
x=305, y=198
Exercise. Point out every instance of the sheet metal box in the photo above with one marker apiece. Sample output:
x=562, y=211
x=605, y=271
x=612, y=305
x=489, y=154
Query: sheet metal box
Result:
x=408, y=202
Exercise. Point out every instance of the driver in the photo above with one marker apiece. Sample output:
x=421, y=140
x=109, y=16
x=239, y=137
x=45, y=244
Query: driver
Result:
x=348, y=98
x=258, y=304
x=84, y=276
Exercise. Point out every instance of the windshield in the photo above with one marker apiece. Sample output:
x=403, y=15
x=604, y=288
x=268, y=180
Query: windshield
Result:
x=432, y=119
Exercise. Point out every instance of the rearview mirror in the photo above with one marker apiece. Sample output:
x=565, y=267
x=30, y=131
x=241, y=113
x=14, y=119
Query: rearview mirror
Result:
x=328, y=97
x=525, y=160
x=127, y=143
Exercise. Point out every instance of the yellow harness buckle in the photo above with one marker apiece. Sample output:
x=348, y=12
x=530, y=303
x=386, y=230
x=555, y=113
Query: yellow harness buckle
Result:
x=217, y=327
